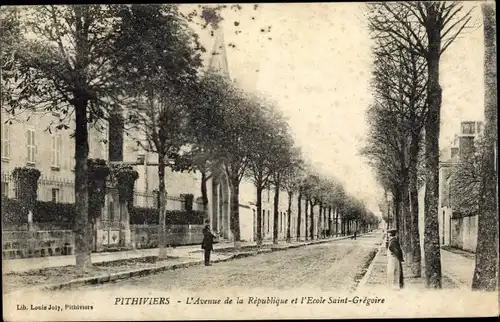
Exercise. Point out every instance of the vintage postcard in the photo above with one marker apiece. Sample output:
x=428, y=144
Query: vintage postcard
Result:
x=249, y=161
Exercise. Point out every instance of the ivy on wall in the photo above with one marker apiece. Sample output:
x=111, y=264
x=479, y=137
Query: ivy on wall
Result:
x=27, y=186
x=98, y=172
x=124, y=177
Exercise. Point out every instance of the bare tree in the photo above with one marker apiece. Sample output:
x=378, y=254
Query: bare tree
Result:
x=426, y=29
x=399, y=85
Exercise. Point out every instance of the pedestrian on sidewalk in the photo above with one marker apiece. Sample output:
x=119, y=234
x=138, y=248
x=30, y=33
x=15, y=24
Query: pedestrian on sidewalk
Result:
x=395, y=276
x=208, y=242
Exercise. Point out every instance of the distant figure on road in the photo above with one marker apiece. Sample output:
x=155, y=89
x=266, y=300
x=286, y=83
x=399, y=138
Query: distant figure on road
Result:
x=395, y=276
x=208, y=242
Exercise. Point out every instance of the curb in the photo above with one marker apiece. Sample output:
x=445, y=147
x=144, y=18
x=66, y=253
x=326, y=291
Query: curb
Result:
x=168, y=267
x=368, y=272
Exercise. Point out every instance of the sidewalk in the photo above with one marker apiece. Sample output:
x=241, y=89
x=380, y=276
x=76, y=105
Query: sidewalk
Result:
x=457, y=272
x=187, y=252
x=458, y=268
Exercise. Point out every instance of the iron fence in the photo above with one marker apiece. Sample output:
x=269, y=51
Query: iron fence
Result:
x=62, y=190
x=49, y=188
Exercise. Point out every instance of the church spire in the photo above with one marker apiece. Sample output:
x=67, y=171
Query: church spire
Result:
x=218, y=57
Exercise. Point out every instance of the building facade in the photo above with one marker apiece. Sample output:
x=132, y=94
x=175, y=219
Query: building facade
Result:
x=30, y=143
x=462, y=145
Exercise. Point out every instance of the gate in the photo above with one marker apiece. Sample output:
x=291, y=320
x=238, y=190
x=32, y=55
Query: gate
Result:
x=108, y=232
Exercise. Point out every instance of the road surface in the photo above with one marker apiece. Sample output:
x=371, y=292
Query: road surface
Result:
x=337, y=265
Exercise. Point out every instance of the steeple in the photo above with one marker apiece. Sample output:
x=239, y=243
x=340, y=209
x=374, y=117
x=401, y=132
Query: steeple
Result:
x=218, y=57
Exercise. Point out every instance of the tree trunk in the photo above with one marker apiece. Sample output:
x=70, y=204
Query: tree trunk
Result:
x=416, y=256
x=162, y=228
x=330, y=221
x=299, y=215
x=259, y=213
x=342, y=225
x=311, y=229
x=204, y=193
x=485, y=276
x=320, y=221
x=336, y=222
x=289, y=218
x=406, y=215
x=82, y=247
x=276, y=211
x=306, y=219
x=235, y=211
x=215, y=201
x=432, y=124
x=397, y=211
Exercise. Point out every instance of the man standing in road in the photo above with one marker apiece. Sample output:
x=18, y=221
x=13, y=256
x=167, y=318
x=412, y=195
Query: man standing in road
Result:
x=395, y=276
x=208, y=242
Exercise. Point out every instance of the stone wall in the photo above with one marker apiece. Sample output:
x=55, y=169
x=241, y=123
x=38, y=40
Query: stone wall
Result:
x=464, y=233
x=146, y=236
x=24, y=244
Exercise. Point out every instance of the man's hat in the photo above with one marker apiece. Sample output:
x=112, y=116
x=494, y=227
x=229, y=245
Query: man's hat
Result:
x=392, y=231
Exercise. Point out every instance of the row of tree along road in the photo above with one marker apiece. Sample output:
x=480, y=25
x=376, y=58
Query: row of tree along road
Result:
x=140, y=68
x=410, y=39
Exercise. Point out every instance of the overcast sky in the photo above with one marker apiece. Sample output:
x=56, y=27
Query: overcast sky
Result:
x=317, y=67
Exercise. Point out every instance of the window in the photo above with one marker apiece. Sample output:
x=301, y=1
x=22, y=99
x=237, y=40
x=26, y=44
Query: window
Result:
x=31, y=146
x=188, y=202
x=56, y=150
x=55, y=195
x=468, y=127
x=5, y=140
x=5, y=189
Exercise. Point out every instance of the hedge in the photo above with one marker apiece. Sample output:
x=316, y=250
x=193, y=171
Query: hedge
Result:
x=48, y=211
x=13, y=212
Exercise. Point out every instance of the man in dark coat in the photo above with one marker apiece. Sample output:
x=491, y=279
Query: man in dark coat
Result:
x=395, y=264
x=208, y=242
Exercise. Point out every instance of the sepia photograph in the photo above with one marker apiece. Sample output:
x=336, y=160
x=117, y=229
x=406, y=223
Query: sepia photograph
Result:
x=249, y=161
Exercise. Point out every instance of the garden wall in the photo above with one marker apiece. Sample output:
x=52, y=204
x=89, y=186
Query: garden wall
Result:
x=146, y=236
x=464, y=233
x=25, y=244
